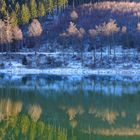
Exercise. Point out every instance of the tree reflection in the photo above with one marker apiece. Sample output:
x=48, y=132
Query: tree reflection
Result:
x=61, y=114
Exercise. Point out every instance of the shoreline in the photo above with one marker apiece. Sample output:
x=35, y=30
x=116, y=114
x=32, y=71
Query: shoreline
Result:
x=72, y=71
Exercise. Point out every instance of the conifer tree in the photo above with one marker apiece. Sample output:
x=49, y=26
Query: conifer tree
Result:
x=13, y=19
x=25, y=14
x=41, y=9
x=17, y=8
x=24, y=10
x=17, y=11
x=3, y=10
x=49, y=5
x=33, y=9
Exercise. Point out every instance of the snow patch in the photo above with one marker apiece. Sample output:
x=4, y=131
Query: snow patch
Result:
x=71, y=71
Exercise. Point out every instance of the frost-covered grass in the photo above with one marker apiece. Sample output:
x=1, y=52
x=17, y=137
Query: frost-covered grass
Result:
x=72, y=63
x=70, y=71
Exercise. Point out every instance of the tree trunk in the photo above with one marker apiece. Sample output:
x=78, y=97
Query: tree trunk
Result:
x=101, y=54
x=82, y=54
x=94, y=54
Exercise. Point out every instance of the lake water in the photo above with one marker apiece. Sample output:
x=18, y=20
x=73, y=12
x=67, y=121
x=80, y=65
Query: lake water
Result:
x=42, y=107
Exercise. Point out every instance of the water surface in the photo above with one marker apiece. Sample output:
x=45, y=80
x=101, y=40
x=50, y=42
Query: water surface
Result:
x=42, y=107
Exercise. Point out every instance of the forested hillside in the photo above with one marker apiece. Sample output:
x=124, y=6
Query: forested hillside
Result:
x=21, y=11
x=109, y=31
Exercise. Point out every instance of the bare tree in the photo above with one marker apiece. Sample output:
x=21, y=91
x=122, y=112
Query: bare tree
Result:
x=2, y=25
x=109, y=29
x=17, y=37
x=93, y=35
x=138, y=27
x=81, y=35
x=72, y=32
x=35, y=28
x=74, y=15
x=8, y=34
x=35, y=31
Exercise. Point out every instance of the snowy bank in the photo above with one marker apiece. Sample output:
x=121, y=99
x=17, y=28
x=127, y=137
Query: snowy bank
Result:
x=71, y=71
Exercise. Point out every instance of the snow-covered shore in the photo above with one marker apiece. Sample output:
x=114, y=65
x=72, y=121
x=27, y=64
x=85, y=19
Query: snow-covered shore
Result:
x=71, y=71
x=71, y=63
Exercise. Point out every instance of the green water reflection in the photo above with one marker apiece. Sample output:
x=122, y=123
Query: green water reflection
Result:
x=37, y=107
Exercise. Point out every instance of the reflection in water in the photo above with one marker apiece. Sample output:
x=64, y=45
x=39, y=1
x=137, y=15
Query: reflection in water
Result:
x=69, y=108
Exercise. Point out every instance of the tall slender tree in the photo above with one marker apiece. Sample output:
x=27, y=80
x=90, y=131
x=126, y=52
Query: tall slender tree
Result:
x=25, y=14
x=41, y=9
x=93, y=35
x=13, y=19
x=33, y=9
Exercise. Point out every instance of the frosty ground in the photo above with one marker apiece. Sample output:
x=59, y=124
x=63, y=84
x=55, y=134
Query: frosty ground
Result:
x=70, y=63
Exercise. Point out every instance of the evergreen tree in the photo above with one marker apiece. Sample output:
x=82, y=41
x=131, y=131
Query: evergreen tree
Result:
x=17, y=8
x=17, y=11
x=25, y=14
x=41, y=9
x=49, y=5
x=33, y=9
x=3, y=10
x=29, y=9
x=13, y=19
